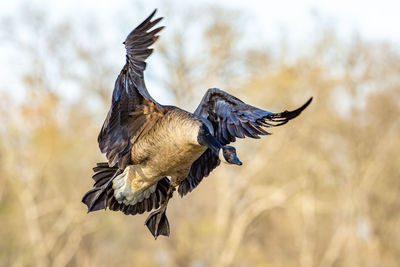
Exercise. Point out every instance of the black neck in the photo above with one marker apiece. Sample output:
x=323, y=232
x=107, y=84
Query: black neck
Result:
x=205, y=138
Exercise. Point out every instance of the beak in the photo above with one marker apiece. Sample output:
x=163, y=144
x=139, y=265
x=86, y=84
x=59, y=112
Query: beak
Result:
x=236, y=161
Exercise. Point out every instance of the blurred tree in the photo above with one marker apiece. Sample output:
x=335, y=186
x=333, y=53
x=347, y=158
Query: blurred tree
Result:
x=322, y=191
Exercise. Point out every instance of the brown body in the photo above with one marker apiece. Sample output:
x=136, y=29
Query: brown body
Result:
x=161, y=152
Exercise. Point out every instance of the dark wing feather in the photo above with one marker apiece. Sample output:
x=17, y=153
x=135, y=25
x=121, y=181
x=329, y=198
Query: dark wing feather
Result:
x=102, y=195
x=133, y=111
x=231, y=118
x=202, y=167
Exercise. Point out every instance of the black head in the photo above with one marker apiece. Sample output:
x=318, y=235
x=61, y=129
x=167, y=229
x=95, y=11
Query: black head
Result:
x=230, y=156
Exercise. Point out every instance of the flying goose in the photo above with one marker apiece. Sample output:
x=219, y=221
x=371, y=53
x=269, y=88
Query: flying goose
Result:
x=152, y=148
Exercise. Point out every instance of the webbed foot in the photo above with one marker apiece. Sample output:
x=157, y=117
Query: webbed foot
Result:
x=157, y=222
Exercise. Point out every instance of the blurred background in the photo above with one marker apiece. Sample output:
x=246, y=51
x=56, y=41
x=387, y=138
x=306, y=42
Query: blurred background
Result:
x=323, y=190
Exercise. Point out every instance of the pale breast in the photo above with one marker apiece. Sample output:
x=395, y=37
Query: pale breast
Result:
x=168, y=149
x=171, y=146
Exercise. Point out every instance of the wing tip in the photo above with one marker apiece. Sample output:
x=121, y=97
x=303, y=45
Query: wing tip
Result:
x=284, y=117
x=148, y=19
x=303, y=107
x=307, y=103
x=145, y=25
x=294, y=113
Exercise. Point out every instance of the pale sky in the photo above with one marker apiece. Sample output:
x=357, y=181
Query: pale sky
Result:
x=373, y=20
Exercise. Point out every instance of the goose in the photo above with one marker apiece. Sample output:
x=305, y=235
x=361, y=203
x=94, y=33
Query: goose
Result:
x=152, y=149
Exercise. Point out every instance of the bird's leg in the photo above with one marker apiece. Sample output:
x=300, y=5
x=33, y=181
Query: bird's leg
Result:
x=157, y=221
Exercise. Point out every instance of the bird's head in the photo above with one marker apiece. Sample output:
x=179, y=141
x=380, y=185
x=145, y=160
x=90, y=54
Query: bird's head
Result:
x=229, y=153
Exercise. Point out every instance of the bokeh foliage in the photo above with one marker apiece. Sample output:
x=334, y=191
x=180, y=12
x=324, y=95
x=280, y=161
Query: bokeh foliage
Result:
x=321, y=191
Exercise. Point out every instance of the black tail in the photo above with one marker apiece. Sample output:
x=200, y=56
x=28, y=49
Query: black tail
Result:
x=99, y=197
x=102, y=195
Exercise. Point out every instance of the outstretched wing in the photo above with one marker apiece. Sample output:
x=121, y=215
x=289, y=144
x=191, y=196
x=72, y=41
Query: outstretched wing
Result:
x=133, y=111
x=231, y=118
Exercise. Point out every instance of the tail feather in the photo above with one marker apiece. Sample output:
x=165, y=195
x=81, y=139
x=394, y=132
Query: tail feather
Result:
x=102, y=195
x=95, y=199
x=98, y=197
x=102, y=177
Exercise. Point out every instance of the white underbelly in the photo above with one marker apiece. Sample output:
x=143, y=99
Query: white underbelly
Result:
x=134, y=184
x=137, y=182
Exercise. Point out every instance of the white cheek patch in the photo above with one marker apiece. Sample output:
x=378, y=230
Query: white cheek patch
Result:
x=221, y=156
